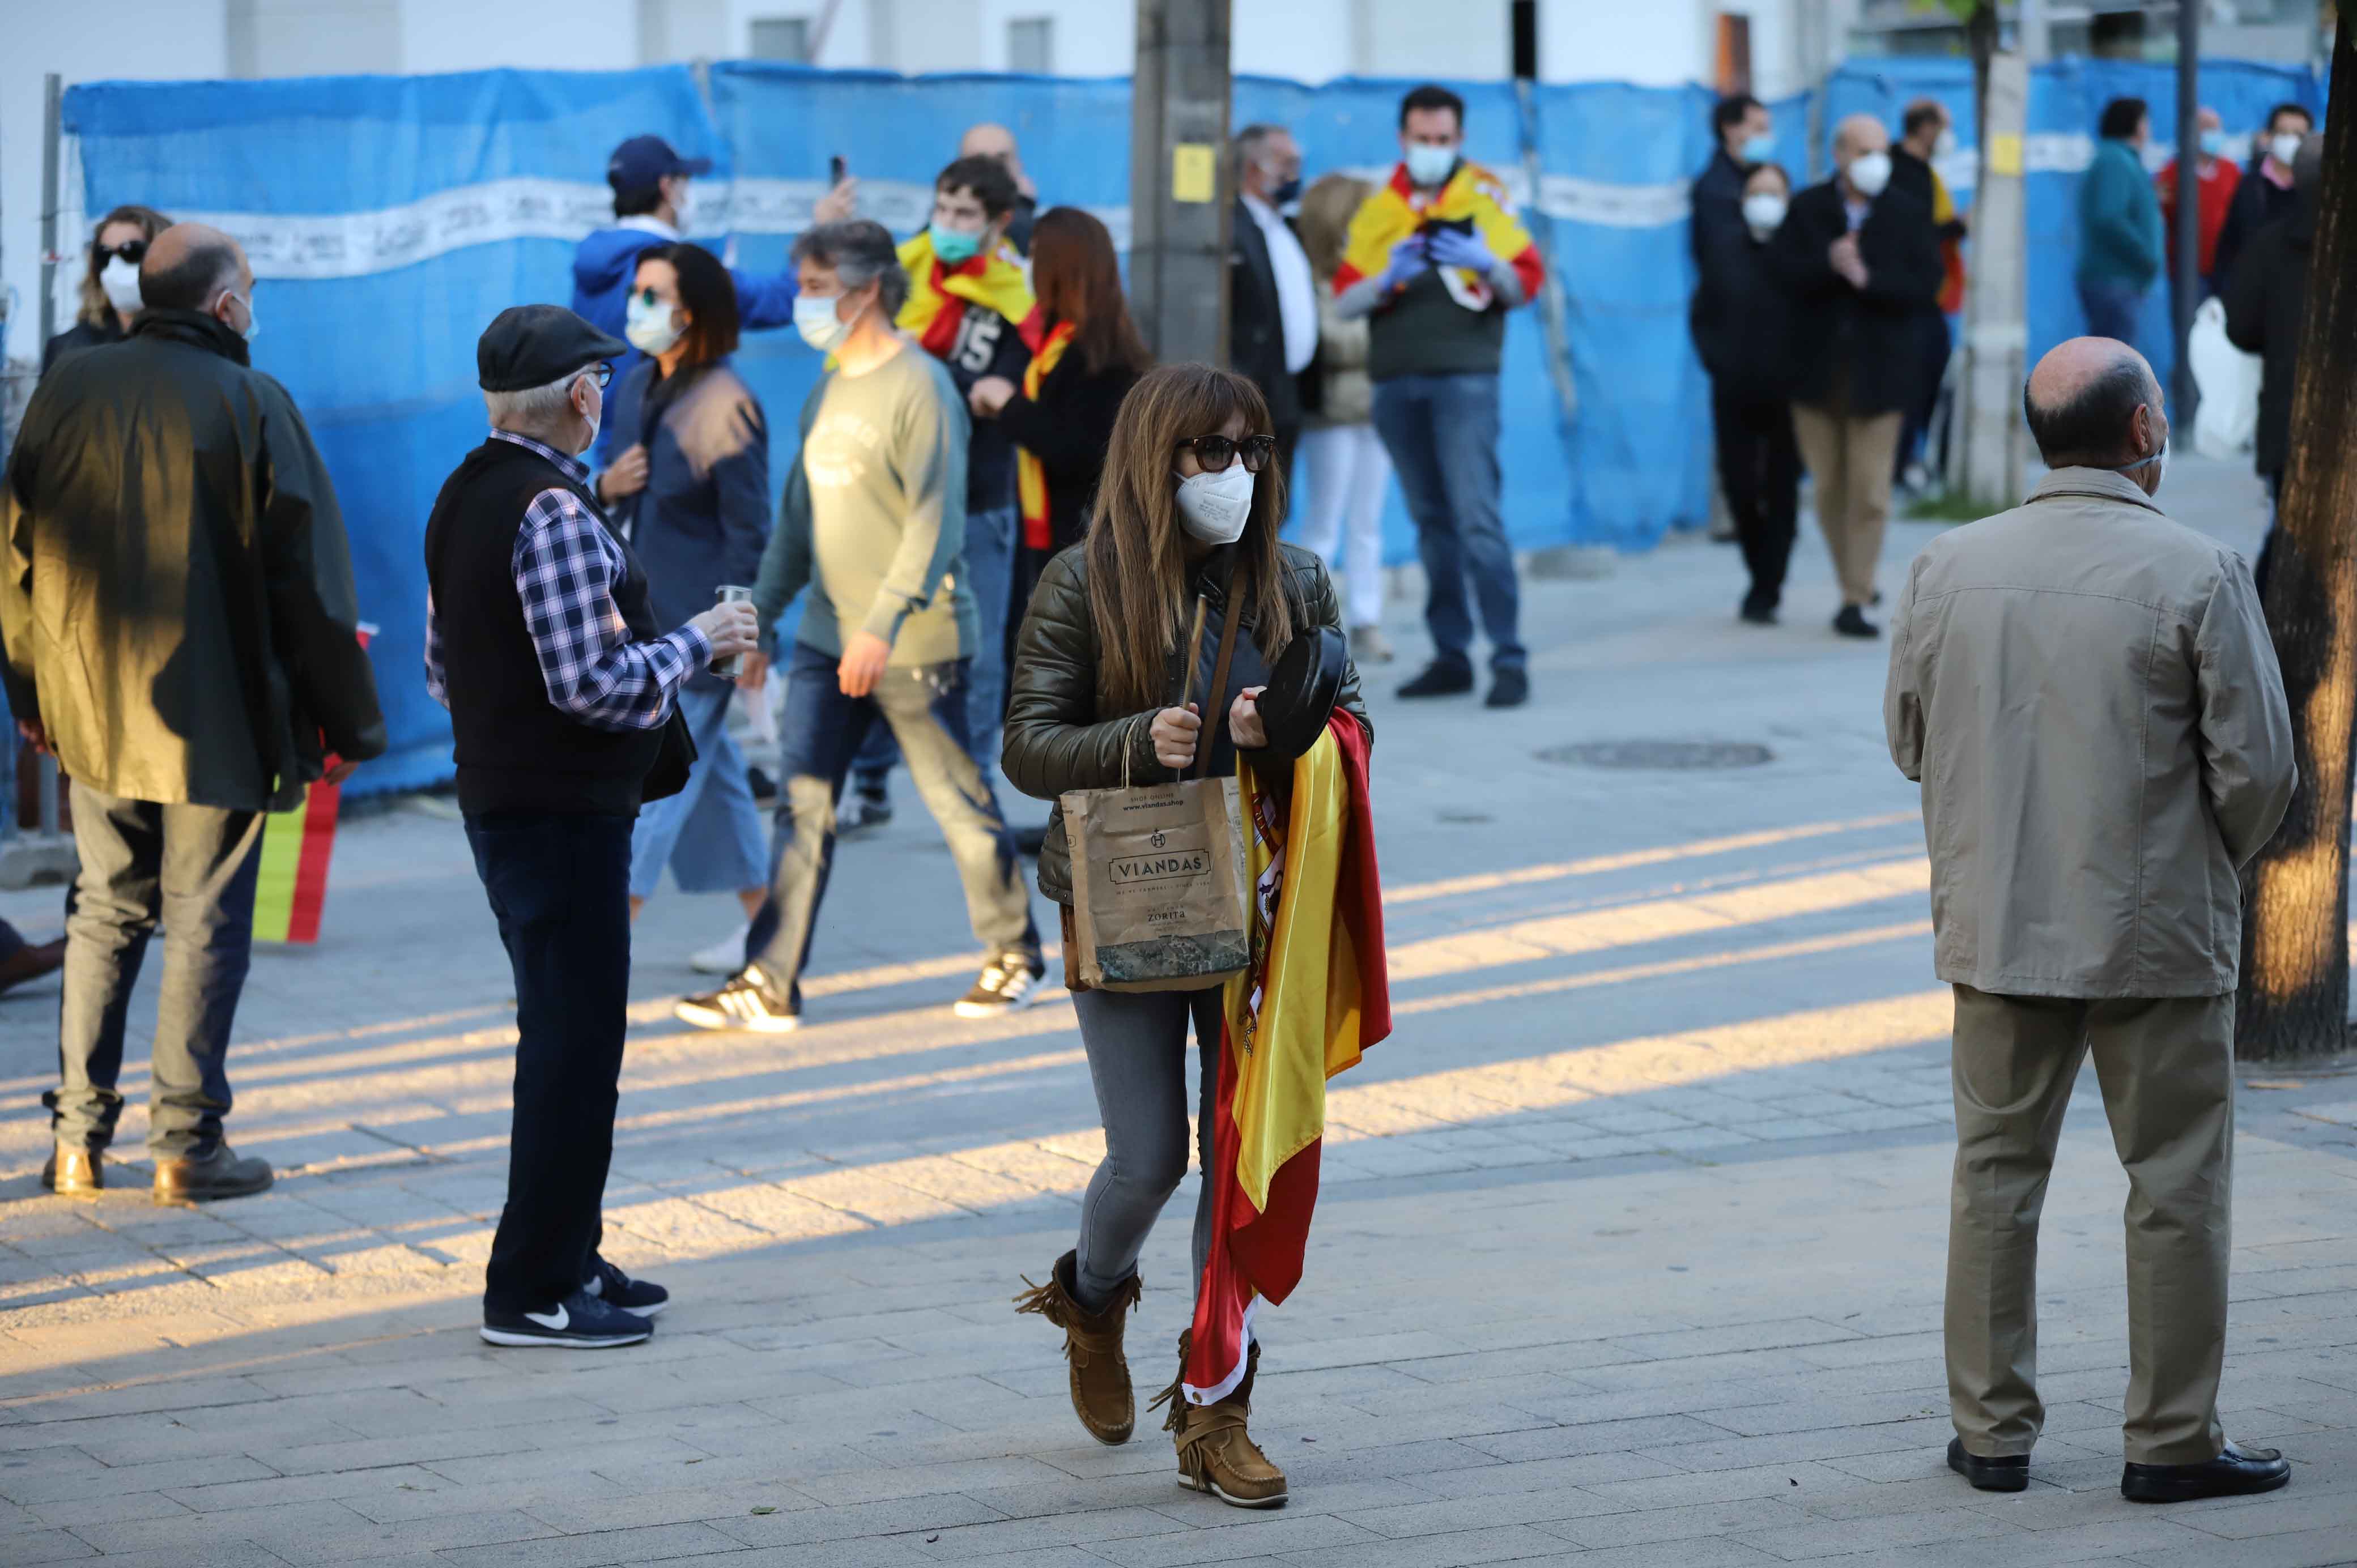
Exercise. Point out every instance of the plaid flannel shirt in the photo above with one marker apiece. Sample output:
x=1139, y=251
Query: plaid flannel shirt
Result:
x=566, y=566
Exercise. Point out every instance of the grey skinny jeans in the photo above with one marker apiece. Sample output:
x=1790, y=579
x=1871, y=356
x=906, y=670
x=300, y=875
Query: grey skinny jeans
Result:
x=1136, y=1043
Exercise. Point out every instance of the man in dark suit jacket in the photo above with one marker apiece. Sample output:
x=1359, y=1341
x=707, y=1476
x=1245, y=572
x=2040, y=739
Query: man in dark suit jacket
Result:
x=1861, y=260
x=1271, y=294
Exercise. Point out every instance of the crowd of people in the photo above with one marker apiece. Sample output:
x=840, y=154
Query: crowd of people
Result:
x=995, y=510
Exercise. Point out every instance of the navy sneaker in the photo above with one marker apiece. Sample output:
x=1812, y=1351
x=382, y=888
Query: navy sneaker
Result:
x=579, y=1322
x=615, y=1288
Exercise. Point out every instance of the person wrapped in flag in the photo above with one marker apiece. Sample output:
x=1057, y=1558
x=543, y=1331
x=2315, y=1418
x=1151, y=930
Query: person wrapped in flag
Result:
x=1189, y=506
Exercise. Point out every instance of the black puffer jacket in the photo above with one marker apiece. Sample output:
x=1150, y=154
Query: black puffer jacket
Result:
x=1059, y=736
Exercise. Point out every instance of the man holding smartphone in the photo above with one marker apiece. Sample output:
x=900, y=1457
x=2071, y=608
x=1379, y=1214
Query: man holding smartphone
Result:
x=1437, y=257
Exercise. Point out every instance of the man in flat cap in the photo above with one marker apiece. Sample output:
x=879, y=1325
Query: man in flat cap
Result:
x=562, y=696
x=177, y=600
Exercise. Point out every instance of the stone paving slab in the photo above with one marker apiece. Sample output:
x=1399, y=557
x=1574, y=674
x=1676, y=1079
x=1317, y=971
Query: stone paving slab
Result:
x=1629, y=1252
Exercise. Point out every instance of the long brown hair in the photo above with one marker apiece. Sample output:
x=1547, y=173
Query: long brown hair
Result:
x=708, y=293
x=1077, y=275
x=1136, y=550
x=1327, y=208
x=96, y=309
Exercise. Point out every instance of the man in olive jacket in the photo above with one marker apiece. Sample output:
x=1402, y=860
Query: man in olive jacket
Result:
x=2088, y=695
x=177, y=608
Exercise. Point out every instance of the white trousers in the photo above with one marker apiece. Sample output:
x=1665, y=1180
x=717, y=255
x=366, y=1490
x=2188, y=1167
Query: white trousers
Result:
x=1348, y=472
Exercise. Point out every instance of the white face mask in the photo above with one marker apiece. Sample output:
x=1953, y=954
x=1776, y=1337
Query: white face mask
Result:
x=595, y=419
x=2285, y=148
x=648, y=327
x=821, y=327
x=1428, y=166
x=120, y=279
x=1869, y=174
x=2157, y=463
x=1764, y=212
x=253, y=323
x=1945, y=144
x=1213, y=506
x=683, y=210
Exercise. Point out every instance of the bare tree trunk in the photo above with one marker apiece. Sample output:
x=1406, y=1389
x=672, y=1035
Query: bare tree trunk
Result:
x=2294, y=998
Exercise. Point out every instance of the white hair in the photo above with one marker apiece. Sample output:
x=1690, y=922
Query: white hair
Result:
x=534, y=409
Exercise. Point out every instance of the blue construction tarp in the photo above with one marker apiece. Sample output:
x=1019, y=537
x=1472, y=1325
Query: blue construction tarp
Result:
x=392, y=216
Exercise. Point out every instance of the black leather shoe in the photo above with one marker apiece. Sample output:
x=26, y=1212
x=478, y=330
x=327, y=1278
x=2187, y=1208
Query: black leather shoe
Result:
x=1852, y=622
x=1441, y=679
x=1508, y=689
x=224, y=1173
x=74, y=1172
x=2234, y=1472
x=1756, y=612
x=2006, y=1473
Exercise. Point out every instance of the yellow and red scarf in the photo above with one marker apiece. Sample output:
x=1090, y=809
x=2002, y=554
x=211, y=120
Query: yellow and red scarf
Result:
x=1030, y=474
x=1395, y=211
x=992, y=279
x=1315, y=995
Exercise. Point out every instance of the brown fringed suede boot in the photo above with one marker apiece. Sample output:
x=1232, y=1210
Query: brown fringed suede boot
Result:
x=1216, y=1455
x=1100, y=1372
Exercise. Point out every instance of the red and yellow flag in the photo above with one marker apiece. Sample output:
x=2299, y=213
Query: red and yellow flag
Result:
x=1314, y=997
x=290, y=886
x=1395, y=211
x=993, y=280
x=1030, y=474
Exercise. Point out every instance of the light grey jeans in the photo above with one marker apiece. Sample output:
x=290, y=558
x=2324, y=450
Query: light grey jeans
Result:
x=1136, y=1043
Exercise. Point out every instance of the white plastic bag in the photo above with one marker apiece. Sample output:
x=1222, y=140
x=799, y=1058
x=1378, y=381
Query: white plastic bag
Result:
x=2229, y=383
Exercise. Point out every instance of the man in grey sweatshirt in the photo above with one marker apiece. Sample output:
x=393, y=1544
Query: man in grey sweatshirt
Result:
x=873, y=525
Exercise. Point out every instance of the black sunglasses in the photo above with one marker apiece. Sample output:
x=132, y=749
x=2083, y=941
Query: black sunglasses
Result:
x=132, y=250
x=1216, y=452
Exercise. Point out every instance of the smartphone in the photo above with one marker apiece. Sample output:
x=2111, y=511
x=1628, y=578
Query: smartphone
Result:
x=835, y=171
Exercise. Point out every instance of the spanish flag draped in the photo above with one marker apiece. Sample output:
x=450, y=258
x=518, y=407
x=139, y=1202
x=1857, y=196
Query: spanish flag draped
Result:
x=290, y=885
x=993, y=280
x=1314, y=997
x=1030, y=474
x=1395, y=211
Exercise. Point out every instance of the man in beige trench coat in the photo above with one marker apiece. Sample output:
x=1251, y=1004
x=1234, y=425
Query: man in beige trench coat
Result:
x=2087, y=694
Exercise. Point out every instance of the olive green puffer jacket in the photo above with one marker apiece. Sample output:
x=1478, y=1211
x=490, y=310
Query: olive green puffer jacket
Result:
x=1060, y=735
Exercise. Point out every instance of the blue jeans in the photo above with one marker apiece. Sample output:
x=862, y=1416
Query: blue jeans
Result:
x=559, y=884
x=925, y=708
x=710, y=833
x=191, y=869
x=990, y=540
x=1442, y=435
x=2113, y=309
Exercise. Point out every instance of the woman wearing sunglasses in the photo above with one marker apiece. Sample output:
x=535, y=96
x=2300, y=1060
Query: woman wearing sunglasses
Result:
x=110, y=281
x=1190, y=503
x=691, y=488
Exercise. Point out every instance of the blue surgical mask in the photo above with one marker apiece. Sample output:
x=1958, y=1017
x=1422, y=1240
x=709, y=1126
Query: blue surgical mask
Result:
x=1428, y=166
x=1758, y=149
x=820, y=326
x=2212, y=142
x=954, y=247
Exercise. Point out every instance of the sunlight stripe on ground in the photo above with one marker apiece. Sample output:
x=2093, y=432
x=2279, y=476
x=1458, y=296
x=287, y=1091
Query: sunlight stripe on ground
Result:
x=1489, y=881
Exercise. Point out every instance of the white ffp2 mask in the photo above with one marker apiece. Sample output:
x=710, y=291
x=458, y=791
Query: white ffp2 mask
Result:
x=1869, y=174
x=120, y=279
x=1214, y=508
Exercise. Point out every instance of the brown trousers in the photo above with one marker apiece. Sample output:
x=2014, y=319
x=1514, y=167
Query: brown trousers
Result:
x=1849, y=457
x=2167, y=1074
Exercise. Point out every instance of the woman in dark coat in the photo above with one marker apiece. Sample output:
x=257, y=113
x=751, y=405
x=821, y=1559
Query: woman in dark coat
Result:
x=691, y=487
x=109, y=295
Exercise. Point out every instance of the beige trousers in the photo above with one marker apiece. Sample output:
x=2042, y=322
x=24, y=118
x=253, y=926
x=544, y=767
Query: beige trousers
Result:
x=1849, y=457
x=2167, y=1074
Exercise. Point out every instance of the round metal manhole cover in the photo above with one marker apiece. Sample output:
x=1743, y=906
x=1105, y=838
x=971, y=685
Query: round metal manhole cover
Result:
x=1674, y=756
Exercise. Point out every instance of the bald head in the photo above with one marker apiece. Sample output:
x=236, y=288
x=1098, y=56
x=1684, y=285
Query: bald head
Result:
x=988, y=140
x=1858, y=134
x=189, y=266
x=2093, y=402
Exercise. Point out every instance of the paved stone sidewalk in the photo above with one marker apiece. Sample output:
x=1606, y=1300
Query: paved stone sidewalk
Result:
x=1629, y=1249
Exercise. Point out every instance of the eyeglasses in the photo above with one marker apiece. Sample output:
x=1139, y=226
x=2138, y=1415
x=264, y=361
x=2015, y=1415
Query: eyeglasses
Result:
x=1216, y=452
x=604, y=372
x=132, y=250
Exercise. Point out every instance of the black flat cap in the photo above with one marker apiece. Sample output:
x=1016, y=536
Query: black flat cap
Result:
x=531, y=345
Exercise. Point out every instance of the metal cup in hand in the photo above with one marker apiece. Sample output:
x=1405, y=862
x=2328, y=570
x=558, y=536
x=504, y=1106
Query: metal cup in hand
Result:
x=729, y=594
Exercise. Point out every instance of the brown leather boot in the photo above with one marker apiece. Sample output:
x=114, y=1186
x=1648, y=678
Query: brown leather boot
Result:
x=74, y=1173
x=1101, y=1397
x=1216, y=1455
